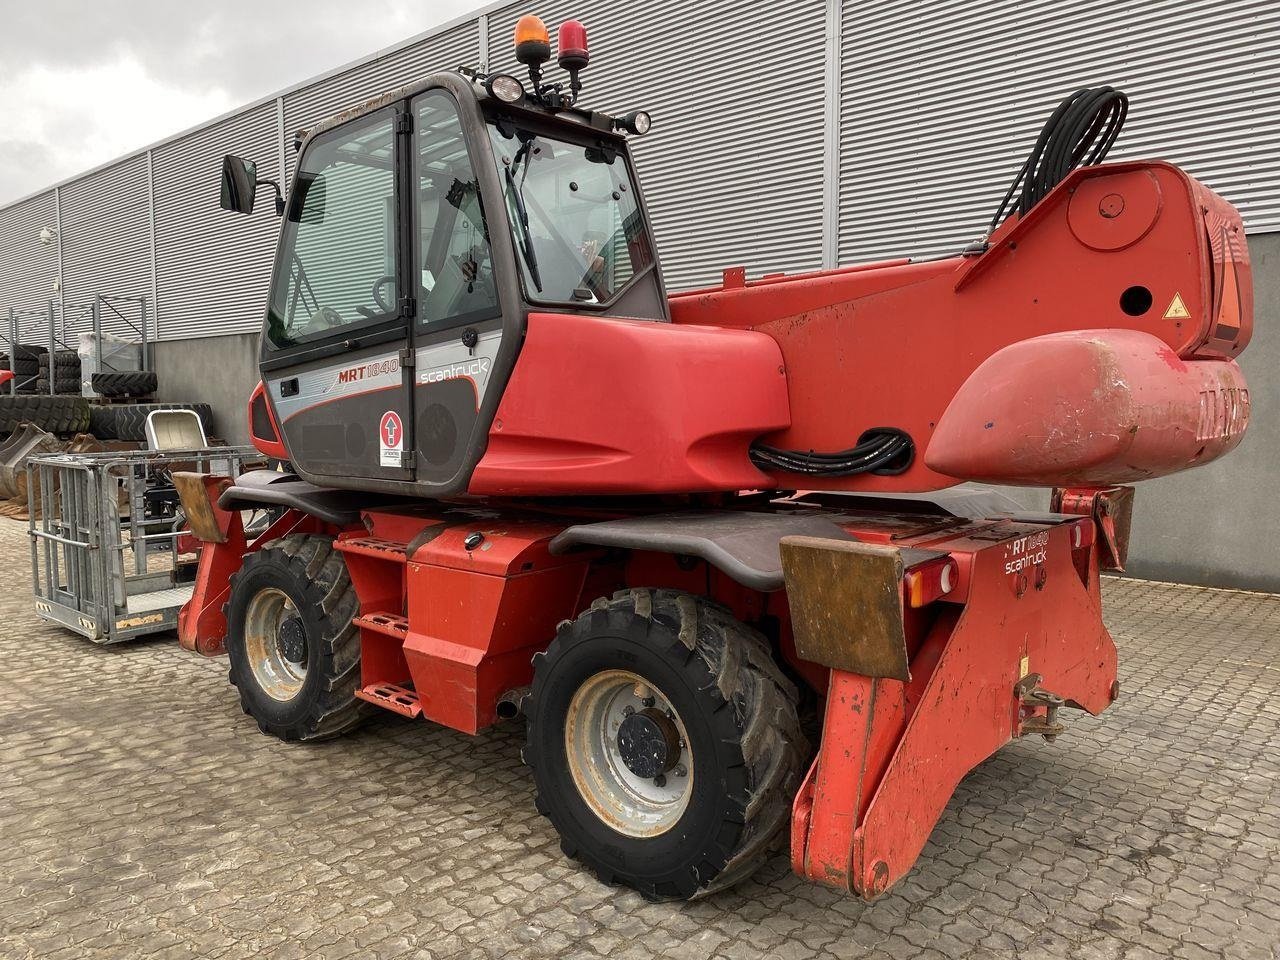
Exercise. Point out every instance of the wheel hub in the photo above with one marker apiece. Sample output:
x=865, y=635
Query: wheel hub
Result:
x=291, y=640
x=628, y=753
x=648, y=743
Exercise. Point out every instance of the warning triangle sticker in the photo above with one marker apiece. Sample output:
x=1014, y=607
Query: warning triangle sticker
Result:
x=1177, y=309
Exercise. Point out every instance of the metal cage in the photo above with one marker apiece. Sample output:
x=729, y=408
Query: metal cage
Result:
x=109, y=558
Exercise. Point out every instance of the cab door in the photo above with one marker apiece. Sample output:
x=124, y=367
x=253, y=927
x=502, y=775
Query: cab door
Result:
x=459, y=329
x=335, y=351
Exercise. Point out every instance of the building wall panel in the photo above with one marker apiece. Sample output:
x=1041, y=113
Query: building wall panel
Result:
x=940, y=103
x=213, y=267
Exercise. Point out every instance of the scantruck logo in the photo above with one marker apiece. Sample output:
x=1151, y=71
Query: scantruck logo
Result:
x=390, y=439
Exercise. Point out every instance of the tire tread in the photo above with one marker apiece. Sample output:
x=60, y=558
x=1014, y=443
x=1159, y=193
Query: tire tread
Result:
x=745, y=679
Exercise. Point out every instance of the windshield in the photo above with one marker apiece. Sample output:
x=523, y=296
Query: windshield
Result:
x=577, y=228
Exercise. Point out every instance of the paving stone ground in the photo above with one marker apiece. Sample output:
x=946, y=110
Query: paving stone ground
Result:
x=142, y=815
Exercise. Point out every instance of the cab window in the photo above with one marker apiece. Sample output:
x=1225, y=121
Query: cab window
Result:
x=455, y=275
x=577, y=226
x=337, y=260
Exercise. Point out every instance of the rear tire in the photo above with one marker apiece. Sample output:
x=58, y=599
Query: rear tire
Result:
x=303, y=580
x=733, y=723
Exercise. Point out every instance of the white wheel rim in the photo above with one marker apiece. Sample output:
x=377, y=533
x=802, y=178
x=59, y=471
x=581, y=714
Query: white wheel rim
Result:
x=632, y=805
x=279, y=677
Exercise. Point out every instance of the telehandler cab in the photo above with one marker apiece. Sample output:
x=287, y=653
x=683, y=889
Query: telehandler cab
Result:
x=526, y=480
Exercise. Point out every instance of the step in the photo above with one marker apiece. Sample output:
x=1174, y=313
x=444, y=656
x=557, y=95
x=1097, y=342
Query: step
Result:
x=373, y=547
x=388, y=624
x=397, y=699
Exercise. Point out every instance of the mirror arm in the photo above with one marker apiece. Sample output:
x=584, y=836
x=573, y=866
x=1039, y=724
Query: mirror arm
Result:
x=279, y=195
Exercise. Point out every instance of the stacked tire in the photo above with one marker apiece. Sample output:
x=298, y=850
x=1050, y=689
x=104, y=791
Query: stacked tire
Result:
x=66, y=372
x=140, y=383
x=61, y=415
x=25, y=364
x=129, y=421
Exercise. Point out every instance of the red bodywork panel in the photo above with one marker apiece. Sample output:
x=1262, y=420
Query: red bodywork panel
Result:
x=1093, y=407
x=614, y=406
x=263, y=429
x=890, y=345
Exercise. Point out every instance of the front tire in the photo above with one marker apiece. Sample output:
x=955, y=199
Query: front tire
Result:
x=664, y=743
x=294, y=652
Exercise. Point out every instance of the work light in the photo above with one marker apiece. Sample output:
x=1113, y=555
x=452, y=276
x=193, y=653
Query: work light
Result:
x=504, y=87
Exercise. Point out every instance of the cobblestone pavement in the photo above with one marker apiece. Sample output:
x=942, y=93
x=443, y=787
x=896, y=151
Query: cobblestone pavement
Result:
x=141, y=814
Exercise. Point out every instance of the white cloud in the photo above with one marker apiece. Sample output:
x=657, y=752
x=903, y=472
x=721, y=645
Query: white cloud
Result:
x=58, y=122
x=83, y=83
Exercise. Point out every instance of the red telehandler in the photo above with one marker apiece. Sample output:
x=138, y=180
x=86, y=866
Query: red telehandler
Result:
x=522, y=479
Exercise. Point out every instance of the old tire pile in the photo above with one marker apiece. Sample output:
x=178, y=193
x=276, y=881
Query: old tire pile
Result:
x=54, y=414
x=140, y=383
x=25, y=364
x=129, y=421
x=66, y=369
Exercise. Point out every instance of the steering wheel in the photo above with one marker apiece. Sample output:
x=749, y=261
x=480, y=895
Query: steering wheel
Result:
x=377, y=293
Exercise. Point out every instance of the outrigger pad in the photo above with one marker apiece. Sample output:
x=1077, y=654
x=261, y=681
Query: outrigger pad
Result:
x=846, y=605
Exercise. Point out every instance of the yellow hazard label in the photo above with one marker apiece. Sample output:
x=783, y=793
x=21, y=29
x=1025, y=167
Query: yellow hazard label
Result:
x=1024, y=667
x=1177, y=309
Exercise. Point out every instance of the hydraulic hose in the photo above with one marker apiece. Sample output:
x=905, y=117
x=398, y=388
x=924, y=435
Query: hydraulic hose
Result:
x=887, y=451
x=1081, y=131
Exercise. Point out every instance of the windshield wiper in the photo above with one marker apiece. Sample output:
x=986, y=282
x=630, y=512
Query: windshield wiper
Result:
x=526, y=244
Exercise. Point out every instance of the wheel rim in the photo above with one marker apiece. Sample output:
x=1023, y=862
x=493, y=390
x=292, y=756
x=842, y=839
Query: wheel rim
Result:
x=271, y=638
x=604, y=759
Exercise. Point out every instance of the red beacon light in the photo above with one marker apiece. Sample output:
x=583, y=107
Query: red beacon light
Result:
x=573, y=56
x=571, y=46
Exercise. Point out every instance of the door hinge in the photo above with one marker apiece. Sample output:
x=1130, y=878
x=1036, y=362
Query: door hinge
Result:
x=407, y=356
x=408, y=460
x=404, y=123
x=408, y=307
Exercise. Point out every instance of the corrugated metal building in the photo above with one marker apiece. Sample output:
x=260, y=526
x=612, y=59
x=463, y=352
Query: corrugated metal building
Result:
x=787, y=136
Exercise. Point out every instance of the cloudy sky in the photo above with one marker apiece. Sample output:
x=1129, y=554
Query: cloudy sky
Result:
x=84, y=81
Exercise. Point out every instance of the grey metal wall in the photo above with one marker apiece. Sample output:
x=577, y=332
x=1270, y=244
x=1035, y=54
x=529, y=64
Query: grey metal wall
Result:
x=940, y=102
x=212, y=267
x=28, y=268
x=106, y=245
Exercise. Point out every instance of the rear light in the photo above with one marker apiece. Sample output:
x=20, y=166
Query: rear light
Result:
x=930, y=581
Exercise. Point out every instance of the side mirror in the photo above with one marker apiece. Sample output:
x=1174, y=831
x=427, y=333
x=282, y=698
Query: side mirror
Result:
x=239, y=184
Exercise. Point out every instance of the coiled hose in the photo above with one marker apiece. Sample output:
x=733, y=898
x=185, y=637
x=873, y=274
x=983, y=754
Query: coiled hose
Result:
x=1081, y=131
